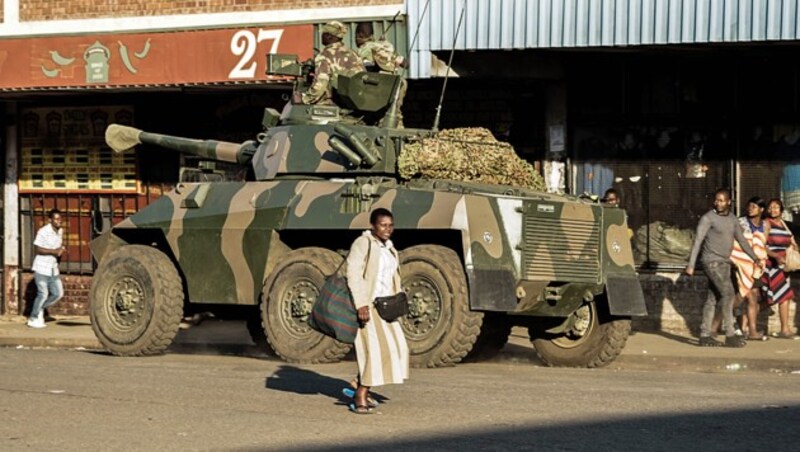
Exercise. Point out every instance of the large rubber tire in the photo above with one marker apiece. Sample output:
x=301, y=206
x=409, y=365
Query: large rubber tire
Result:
x=495, y=330
x=286, y=301
x=440, y=328
x=136, y=301
x=601, y=342
x=256, y=330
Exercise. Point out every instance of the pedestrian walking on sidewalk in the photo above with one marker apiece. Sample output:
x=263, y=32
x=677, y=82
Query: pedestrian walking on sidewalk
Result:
x=748, y=273
x=48, y=246
x=715, y=234
x=776, y=283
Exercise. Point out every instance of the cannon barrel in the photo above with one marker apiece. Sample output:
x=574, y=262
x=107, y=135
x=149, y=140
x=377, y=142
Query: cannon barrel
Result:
x=123, y=138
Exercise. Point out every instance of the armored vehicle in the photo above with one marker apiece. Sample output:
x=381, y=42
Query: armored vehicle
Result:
x=476, y=259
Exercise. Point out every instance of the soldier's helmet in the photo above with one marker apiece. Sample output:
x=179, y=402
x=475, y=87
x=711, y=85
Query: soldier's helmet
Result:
x=335, y=28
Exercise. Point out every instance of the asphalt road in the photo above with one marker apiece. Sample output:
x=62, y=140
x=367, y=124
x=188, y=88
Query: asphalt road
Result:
x=73, y=400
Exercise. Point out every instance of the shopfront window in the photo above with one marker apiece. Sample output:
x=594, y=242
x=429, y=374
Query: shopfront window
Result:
x=66, y=164
x=665, y=176
x=769, y=166
x=667, y=128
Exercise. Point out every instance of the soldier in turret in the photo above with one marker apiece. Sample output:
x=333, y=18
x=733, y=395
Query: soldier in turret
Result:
x=380, y=56
x=336, y=58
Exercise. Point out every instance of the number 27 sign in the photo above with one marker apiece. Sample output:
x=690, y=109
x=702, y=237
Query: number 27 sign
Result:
x=251, y=45
x=245, y=43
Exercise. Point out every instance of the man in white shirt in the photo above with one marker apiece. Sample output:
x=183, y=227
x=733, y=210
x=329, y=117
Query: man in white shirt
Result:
x=48, y=247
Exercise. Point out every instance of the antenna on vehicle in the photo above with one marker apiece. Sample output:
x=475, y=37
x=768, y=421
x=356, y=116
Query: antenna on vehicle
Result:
x=391, y=24
x=435, y=127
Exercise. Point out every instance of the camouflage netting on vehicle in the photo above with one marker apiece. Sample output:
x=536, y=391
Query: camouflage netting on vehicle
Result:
x=668, y=244
x=469, y=154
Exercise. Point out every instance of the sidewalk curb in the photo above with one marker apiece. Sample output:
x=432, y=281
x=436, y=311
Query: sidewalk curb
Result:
x=43, y=342
x=623, y=362
x=644, y=351
x=665, y=363
x=708, y=364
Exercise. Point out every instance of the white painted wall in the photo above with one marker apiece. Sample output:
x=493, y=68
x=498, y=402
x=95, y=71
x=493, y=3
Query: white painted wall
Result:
x=12, y=27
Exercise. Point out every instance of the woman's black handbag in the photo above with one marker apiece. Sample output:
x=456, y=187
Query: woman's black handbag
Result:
x=392, y=307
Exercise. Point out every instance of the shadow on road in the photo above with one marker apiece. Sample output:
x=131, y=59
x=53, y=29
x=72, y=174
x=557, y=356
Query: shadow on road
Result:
x=707, y=431
x=70, y=323
x=306, y=382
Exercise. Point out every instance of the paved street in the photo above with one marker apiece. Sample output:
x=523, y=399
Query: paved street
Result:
x=70, y=400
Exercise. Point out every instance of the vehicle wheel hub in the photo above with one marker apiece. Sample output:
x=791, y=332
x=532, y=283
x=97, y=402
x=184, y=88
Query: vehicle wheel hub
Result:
x=583, y=320
x=424, y=307
x=581, y=328
x=298, y=300
x=128, y=302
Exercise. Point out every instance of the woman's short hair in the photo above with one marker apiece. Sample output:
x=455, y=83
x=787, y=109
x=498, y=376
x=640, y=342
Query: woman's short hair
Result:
x=758, y=200
x=377, y=213
x=776, y=201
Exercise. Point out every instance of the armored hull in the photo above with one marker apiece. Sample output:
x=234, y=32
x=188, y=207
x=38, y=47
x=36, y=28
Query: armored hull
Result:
x=534, y=255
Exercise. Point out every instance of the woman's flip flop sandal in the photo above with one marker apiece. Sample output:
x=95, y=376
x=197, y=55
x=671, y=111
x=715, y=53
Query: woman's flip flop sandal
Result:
x=785, y=336
x=371, y=401
x=361, y=409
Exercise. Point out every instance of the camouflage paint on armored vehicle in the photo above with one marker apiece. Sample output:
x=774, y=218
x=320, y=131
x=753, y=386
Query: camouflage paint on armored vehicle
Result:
x=475, y=259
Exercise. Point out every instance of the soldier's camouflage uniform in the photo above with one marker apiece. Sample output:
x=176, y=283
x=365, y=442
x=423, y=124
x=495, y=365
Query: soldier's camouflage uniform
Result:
x=334, y=59
x=380, y=56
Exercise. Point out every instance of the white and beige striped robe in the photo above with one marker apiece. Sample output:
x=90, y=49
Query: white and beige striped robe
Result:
x=381, y=348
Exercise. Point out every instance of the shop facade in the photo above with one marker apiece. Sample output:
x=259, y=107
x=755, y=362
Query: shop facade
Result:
x=195, y=72
x=663, y=101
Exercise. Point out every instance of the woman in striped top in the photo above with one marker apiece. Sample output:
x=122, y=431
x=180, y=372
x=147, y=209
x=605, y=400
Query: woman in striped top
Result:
x=776, y=284
x=747, y=271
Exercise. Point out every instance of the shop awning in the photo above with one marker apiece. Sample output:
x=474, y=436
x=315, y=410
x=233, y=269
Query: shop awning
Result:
x=220, y=57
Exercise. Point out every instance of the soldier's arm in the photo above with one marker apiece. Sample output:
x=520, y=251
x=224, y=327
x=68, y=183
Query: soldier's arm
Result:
x=322, y=79
x=386, y=58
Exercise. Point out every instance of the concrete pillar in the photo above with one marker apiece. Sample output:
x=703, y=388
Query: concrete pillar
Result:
x=11, y=216
x=555, y=166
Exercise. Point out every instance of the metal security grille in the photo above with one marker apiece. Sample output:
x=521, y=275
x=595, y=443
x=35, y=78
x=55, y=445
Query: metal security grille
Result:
x=84, y=217
x=561, y=249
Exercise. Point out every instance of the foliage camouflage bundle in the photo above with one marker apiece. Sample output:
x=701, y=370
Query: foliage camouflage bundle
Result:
x=469, y=154
x=668, y=244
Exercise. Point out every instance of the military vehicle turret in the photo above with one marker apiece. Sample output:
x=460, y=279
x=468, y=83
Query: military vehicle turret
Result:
x=475, y=258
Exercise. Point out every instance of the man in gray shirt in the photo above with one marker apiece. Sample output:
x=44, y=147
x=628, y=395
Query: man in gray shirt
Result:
x=715, y=234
